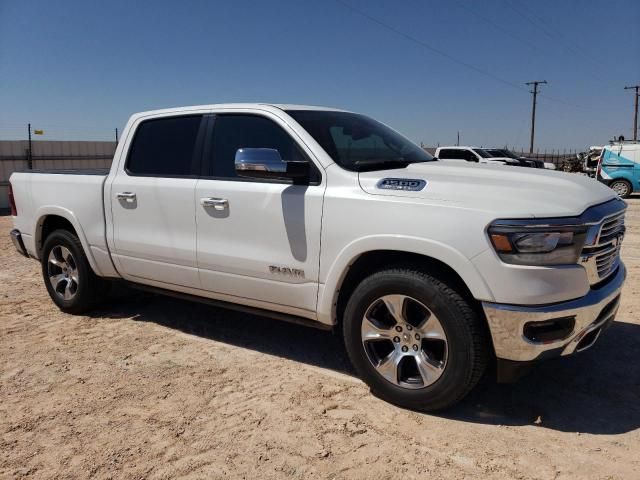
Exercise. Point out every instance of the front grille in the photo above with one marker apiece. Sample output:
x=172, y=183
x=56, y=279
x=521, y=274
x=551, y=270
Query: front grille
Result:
x=601, y=258
x=607, y=262
x=611, y=228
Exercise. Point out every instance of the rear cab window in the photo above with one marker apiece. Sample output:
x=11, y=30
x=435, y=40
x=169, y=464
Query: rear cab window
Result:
x=451, y=154
x=166, y=147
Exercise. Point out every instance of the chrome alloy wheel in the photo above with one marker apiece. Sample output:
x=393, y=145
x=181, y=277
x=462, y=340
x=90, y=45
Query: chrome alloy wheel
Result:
x=404, y=341
x=62, y=270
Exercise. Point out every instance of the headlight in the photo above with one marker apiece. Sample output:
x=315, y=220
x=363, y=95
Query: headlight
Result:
x=538, y=245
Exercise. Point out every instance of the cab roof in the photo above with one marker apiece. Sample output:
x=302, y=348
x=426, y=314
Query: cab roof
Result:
x=258, y=106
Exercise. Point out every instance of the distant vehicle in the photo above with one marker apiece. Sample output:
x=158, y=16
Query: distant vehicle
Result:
x=473, y=154
x=590, y=159
x=524, y=161
x=619, y=167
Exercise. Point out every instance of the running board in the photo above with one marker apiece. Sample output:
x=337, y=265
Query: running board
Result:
x=284, y=317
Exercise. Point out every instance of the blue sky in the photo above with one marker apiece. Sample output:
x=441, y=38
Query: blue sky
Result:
x=78, y=69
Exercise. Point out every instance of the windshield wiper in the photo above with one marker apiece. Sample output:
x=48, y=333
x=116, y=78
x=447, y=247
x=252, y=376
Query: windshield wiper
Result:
x=366, y=165
x=381, y=164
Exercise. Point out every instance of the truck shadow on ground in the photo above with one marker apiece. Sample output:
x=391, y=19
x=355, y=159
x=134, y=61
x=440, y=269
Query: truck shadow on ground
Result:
x=596, y=392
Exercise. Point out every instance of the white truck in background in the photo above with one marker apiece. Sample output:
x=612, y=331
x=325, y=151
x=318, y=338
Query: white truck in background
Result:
x=331, y=219
x=474, y=155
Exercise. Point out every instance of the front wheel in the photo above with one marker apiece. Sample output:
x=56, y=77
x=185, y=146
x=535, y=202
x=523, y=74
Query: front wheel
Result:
x=414, y=340
x=622, y=187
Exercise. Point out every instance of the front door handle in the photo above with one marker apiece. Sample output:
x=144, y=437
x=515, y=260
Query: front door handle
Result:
x=216, y=203
x=126, y=196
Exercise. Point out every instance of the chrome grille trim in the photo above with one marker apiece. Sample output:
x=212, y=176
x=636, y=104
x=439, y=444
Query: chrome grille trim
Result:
x=611, y=228
x=601, y=257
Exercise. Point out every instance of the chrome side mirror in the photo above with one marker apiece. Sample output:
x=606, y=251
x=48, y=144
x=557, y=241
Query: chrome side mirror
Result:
x=267, y=163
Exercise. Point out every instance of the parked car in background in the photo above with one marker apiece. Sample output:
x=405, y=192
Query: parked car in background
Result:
x=475, y=155
x=431, y=270
x=524, y=161
x=619, y=167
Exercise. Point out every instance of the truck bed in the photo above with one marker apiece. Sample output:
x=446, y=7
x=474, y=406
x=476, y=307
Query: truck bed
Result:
x=76, y=195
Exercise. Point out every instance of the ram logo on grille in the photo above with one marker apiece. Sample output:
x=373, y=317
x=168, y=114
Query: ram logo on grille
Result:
x=407, y=184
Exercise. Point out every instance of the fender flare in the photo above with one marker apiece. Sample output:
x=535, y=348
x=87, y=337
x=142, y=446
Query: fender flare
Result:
x=626, y=174
x=332, y=278
x=52, y=210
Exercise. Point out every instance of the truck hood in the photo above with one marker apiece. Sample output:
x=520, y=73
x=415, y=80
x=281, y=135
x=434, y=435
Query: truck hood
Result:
x=506, y=192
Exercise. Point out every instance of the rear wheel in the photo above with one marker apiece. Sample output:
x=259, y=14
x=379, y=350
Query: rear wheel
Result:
x=415, y=341
x=622, y=187
x=69, y=279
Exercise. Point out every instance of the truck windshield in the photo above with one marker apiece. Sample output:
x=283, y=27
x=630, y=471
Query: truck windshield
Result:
x=501, y=153
x=482, y=153
x=359, y=143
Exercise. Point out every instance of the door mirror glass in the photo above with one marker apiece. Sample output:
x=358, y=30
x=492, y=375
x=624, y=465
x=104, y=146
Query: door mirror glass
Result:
x=267, y=163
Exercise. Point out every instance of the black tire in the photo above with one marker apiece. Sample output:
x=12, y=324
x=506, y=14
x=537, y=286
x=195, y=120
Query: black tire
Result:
x=622, y=187
x=466, y=338
x=88, y=286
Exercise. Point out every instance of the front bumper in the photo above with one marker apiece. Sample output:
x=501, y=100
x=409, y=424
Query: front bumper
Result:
x=16, y=238
x=590, y=315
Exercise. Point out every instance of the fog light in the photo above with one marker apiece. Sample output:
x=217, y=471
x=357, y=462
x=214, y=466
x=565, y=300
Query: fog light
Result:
x=551, y=330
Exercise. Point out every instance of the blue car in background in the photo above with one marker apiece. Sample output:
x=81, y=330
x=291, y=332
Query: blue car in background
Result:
x=619, y=167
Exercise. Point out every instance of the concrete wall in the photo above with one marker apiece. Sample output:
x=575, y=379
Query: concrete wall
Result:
x=50, y=154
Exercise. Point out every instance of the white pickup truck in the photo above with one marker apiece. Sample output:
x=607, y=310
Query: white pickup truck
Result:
x=431, y=270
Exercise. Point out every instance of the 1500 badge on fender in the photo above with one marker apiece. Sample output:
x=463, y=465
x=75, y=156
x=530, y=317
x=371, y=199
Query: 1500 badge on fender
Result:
x=408, y=184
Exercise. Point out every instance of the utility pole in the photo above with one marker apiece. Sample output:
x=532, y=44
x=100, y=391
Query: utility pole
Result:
x=116, y=136
x=29, y=155
x=635, y=111
x=458, y=141
x=533, y=110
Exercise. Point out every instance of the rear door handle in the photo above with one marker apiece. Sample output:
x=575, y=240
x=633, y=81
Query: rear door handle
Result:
x=126, y=196
x=216, y=203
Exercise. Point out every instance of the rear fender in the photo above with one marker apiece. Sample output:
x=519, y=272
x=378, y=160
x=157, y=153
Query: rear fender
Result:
x=49, y=210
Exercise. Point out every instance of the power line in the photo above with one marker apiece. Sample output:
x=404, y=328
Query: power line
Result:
x=497, y=26
x=552, y=33
x=442, y=53
x=559, y=100
x=428, y=46
x=541, y=24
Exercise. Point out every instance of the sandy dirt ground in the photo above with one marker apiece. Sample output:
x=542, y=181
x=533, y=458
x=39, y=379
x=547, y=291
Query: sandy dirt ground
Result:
x=153, y=387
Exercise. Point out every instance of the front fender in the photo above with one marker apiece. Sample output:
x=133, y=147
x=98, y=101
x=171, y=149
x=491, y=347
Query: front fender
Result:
x=331, y=278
